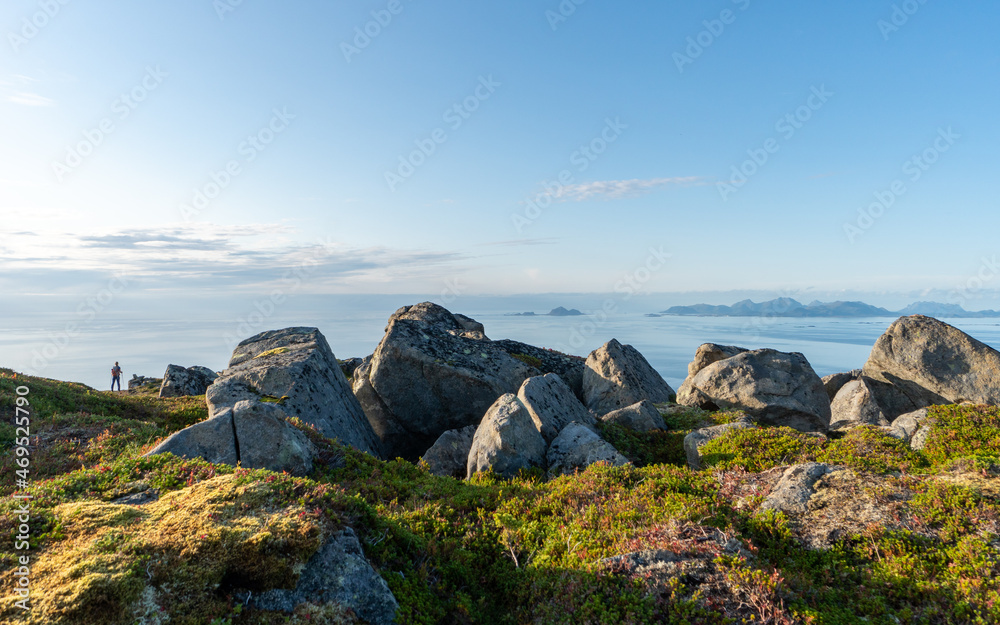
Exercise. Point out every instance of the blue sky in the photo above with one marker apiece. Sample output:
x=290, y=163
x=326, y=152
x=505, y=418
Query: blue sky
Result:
x=670, y=100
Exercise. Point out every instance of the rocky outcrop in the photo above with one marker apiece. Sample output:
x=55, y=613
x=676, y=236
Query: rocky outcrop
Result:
x=432, y=372
x=835, y=381
x=449, y=455
x=552, y=405
x=792, y=493
x=569, y=368
x=578, y=447
x=775, y=388
x=337, y=573
x=254, y=435
x=296, y=367
x=506, y=440
x=180, y=381
x=639, y=417
x=694, y=441
x=855, y=404
x=617, y=376
x=932, y=362
x=707, y=353
x=905, y=426
x=140, y=381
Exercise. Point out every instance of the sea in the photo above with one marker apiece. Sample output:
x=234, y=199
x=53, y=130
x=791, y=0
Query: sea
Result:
x=78, y=347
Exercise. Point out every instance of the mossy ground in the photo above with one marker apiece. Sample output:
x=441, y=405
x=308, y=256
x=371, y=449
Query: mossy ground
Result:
x=500, y=551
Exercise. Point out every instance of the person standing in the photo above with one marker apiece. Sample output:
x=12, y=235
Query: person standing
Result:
x=116, y=377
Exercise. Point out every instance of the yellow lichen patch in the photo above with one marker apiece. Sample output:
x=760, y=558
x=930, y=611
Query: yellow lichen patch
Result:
x=272, y=352
x=192, y=547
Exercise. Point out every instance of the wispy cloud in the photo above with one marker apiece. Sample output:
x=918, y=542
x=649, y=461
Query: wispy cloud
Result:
x=615, y=189
x=29, y=99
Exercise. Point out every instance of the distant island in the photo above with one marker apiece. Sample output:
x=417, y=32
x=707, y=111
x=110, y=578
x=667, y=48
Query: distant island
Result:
x=788, y=307
x=555, y=312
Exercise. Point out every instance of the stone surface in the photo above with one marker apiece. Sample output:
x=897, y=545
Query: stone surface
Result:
x=432, y=372
x=337, y=573
x=265, y=440
x=905, y=426
x=449, y=455
x=835, y=381
x=932, y=362
x=694, y=441
x=617, y=376
x=506, y=440
x=296, y=364
x=139, y=381
x=792, y=493
x=775, y=388
x=569, y=368
x=180, y=381
x=577, y=447
x=639, y=417
x=707, y=353
x=552, y=405
x=212, y=439
x=855, y=404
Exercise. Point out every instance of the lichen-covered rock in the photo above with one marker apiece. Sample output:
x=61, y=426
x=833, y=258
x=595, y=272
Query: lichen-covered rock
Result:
x=506, y=440
x=569, y=368
x=835, y=381
x=337, y=573
x=935, y=363
x=266, y=440
x=905, y=426
x=792, y=493
x=179, y=381
x=617, y=376
x=140, y=381
x=297, y=367
x=552, y=405
x=639, y=417
x=432, y=372
x=695, y=440
x=578, y=447
x=775, y=388
x=212, y=439
x=855, y=404
x=707, y=353
x=449, y=455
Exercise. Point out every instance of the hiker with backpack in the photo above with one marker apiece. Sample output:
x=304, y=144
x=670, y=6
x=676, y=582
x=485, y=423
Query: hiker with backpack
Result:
x=116, y=377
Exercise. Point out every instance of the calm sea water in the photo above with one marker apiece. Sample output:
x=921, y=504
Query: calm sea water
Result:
x=145, y=345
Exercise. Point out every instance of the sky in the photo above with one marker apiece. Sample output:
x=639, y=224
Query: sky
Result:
x=213, y=149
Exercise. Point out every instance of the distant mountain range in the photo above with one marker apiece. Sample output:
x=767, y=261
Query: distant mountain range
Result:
x=788, y=307
x=555, y=312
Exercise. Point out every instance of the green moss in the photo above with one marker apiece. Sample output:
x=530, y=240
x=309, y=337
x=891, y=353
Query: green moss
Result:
x=960, y=431
x=760, y=449
x=868, y=448
x=531, y=361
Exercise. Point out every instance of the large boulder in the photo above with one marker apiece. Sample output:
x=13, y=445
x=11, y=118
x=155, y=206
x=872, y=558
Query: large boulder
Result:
x=932, y=362
x=836, y=381
x=252, y=434
x=432, y=372
x=569, y=368
x=506, y=440
x=639, y=417
x=697, y=439
x=617, y=376
x=296, y=367
x=552, y=405
x=578, y=447
x=775, y=388
x=855, y=404
x=707, y=353
x=337, y=573
x=449, y=454
x=179, y=381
